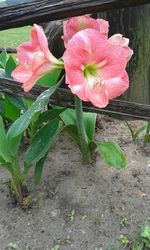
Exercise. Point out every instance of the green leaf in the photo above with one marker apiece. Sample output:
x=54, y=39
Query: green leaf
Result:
x=10, y=66
x=147, y=139
x=13, y=245
x=50, y=78
x=112, y=154
x=145, y=232
x=10, y=111
x=41, y=143
x=38, y=170
x=137, y=246
x=3, y=58
x=23, y=122
x=68, y=117
x=5, y=154
x=73, y=133
x=50, y=115
x=90, y=123
x=17, y=101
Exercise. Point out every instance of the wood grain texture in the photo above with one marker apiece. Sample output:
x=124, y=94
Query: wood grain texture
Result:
x=47, y=10
x=134, y=23
x=63, y=97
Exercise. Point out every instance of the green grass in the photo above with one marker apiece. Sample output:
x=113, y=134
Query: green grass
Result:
x=13, y=37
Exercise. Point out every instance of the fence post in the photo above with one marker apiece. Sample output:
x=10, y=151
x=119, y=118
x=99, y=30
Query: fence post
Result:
x=134, y=22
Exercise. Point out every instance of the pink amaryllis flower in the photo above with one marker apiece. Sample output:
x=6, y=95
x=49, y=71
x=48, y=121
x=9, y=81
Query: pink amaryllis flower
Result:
x=75, y=24
x=35, y=59
x=95, y=67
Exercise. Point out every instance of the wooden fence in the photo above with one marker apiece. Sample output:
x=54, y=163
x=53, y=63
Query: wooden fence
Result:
x=41, y=11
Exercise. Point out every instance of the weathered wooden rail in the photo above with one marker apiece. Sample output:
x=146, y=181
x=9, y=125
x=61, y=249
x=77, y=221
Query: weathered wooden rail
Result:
x=63, y=97
x=46, y=10
x=41, y=11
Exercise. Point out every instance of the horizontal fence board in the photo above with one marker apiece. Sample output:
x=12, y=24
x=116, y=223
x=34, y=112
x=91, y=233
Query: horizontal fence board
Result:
x=46, y=10
x=9, y=50
x=64, y=97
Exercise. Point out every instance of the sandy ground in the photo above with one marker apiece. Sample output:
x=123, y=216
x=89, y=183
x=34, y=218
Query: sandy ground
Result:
x=82, y=208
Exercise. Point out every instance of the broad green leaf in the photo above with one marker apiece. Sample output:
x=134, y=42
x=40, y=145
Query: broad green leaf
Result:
x=90, y=122
x=73, y=133
x=38, y=170
x=15, y=144
x=10, y=66
x=68, y=117
x=112, y=154
x=41, y=142
x=50, y=78
x=3, y=58
x=50, y=115
x=4, y=146
x=17, y=101
x=10, y=111
x=23, y=122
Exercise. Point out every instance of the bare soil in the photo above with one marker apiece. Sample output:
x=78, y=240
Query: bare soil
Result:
x=82, y=207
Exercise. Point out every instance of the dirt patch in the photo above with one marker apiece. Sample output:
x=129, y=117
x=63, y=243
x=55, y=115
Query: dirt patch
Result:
x=82, y=208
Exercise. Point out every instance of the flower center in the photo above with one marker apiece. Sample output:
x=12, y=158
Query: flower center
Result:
x=92, y=75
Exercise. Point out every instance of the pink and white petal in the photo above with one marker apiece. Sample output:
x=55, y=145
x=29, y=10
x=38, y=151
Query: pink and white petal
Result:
x=76, y=58
x=79, y=90
x=116, y=61
x=117, y=86
x=118, y=39
x=25, y=52
x=21, y=74
x=38, y=60
x=39, y=37
x=91, y=41
x=98, y=96
x=103, y=26
x=129, y=53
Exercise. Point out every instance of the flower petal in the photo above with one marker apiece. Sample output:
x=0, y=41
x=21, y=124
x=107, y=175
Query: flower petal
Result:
x=118, y=39
x=98, y=95
x=75, y=24
x=21, y=73
x=117, y=86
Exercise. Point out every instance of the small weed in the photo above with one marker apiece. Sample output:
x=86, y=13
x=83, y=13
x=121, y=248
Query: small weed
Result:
x=124, y=222
x=97, y=221
x=12, y=245
x=124, y=240
x=72, y=215
x=56, y=247
x=84, y=217
x=145, y=235
x=27, y=247
x=135, y=133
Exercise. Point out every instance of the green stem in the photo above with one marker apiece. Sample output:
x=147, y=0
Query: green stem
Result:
x=86, y=156
x=148, y=128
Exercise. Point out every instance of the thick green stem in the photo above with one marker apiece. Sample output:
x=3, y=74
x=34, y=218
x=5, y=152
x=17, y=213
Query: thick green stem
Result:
x=86, y=155
x=18, y=185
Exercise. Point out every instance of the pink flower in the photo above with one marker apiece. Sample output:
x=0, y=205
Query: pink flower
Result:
x=95, y=68
x=75, y=24
x=35, y=59
x=118, y=39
